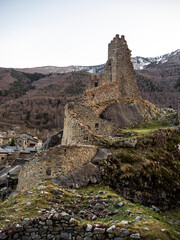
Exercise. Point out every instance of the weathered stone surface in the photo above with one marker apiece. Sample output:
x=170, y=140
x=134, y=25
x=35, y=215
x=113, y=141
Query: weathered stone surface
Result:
x=146, y=229
x=60, y=160
x=81, y=123
x=154, y=208
x=111, y=229
x=99, y=230
x=124, y=233
x=3, y=236
x=26, y=238
x=49, y=222
x=89, y=228
x=53, y=141
x=87, y=238
x=94, y=217
x=121, y=204
x=127, y=113
x=82, y=176
x=79, y=237
x=128, y=212
x=102, y=154
x=65, y=216
x=64, y=235
x=118, y=80
x=16, y=236
x=138, y=218
x=124, y=222
x=135, y=236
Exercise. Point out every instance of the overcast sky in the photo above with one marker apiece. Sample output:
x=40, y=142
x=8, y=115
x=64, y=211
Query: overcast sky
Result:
x=77, y=32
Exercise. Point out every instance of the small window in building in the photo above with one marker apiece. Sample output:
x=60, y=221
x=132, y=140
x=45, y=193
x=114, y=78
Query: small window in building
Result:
x=92, y=95
x=86, y=138
x=48, y=172
x=96, y=84
x=96, y=126
x=2, y=158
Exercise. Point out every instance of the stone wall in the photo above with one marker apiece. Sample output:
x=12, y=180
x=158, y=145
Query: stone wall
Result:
x=80, y=123
x=95, y=81
x=104, y=93
x=59, y=226
x=52, y=163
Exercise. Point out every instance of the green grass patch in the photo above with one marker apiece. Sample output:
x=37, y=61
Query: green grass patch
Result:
x=146, y=127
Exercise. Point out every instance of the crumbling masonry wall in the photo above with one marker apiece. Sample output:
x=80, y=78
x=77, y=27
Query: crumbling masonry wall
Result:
x=105, y=93
x=55, y=162
x=118, y=80
x=81, y=123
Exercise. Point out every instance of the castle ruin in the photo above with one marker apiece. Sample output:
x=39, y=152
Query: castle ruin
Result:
x=112, y=102
x=118, y=80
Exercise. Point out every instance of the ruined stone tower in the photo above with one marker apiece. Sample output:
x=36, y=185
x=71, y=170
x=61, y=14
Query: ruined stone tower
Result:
x=118, y=80
x=111, y=102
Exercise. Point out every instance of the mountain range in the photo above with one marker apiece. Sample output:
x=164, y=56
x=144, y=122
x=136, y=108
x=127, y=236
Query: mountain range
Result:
x=139, y=63
x=34, y=98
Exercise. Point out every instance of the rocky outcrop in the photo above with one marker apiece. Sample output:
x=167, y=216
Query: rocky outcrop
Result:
x=130, y=113
x=80, y=177
x=87, y=174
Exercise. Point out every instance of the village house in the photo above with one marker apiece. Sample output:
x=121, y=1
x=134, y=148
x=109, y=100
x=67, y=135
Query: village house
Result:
x=6, y=141
x=11, y=133
x=28, y=152
x=3, y=154
x=26, y=140
x=6, y=137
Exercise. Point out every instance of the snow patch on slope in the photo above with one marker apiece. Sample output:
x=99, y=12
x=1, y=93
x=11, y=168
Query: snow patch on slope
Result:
x=140, y=63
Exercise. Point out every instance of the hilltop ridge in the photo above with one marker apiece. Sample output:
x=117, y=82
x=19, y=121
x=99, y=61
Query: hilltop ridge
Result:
x=139, y=63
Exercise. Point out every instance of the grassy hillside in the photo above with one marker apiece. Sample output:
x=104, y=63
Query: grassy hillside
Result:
x=82, y=204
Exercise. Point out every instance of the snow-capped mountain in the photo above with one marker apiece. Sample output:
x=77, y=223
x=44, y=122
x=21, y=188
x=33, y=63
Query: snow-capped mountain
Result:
x=97, y=69
x=139, y=63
